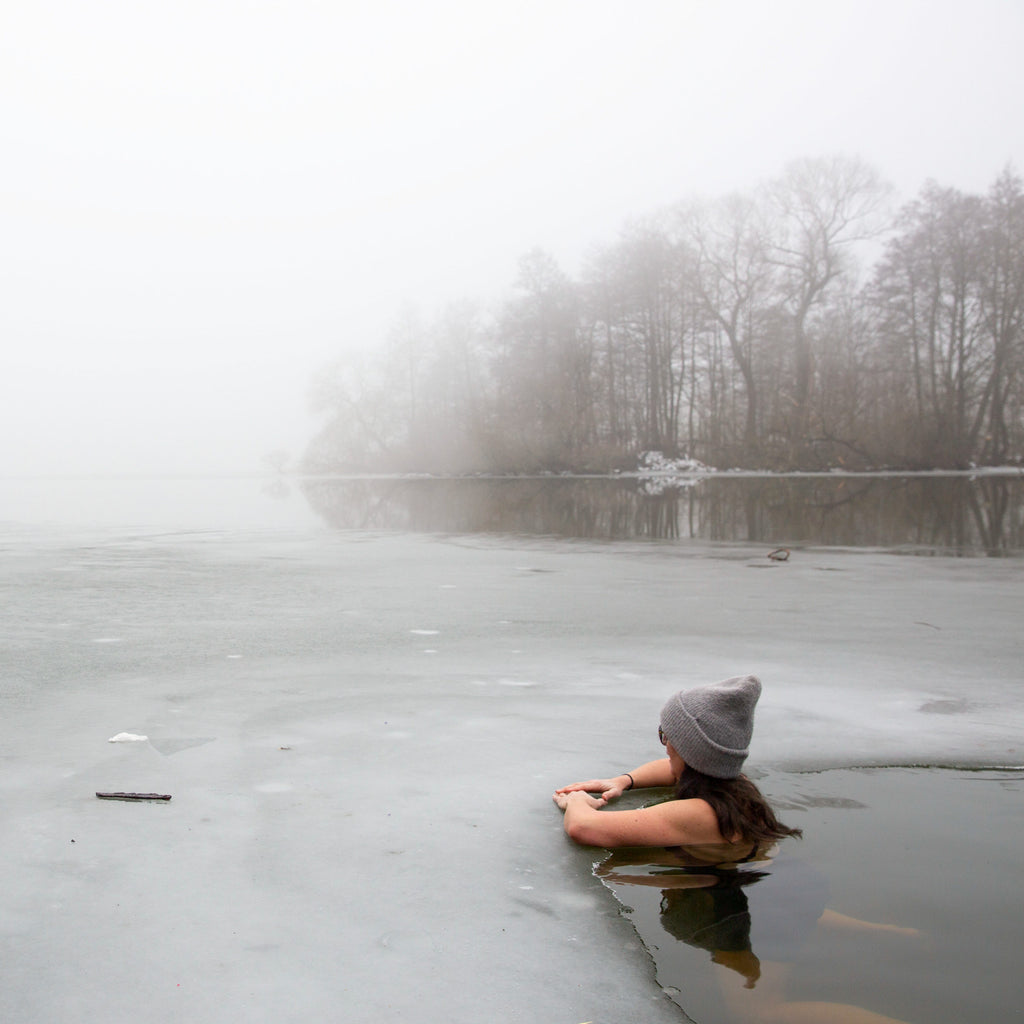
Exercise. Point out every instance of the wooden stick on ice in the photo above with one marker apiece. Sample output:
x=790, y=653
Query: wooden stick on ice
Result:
x=134, y=796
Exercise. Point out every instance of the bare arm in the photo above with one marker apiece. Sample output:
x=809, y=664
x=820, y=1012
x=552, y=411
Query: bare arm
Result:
x=672, y=823
x=654, y=773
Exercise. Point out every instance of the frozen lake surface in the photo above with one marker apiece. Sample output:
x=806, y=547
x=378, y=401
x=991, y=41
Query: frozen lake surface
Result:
x=361, y=731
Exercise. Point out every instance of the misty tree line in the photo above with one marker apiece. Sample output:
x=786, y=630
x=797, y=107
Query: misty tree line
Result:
x=734, y=331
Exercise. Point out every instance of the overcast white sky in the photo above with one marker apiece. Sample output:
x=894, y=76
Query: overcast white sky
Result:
x=204, y=202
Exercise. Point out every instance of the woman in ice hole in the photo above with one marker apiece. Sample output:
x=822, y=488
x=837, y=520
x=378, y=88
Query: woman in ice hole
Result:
x=721, y=817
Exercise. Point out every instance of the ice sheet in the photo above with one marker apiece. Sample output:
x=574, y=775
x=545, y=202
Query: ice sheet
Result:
x=361, y=733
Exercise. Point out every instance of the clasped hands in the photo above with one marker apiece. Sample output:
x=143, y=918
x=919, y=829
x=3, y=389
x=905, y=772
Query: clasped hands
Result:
x=608, y=789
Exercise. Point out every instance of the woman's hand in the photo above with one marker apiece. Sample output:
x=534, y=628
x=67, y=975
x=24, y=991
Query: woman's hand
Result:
x=564, y=797
x=608, y=788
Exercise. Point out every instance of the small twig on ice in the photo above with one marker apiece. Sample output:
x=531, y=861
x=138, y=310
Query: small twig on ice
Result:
x=134, y=796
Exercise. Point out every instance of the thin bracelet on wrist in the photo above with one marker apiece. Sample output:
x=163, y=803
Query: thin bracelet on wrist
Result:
x=631, y=782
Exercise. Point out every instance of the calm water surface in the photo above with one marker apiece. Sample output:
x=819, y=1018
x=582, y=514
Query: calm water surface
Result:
x=923, y=514
x=894, y=901
x=953, y=514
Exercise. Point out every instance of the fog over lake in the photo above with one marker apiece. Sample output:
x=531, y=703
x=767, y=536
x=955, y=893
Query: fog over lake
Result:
x=205, y=207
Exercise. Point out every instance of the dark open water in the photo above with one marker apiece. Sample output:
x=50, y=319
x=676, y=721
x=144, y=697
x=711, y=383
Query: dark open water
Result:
x=920, y=514
x=925, y=514
x=924, y=866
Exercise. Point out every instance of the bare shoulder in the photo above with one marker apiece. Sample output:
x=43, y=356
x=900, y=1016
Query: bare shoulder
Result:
x=672, y=823
x=695, y=819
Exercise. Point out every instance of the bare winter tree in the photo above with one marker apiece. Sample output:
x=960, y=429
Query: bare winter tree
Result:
x=735, y=282
x=1002, y=298
x=949, y=292
x=927, y=287
x=823, y=208
x=542, y=367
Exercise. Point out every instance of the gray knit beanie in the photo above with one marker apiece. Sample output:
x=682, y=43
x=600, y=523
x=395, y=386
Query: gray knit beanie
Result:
x=710, y=726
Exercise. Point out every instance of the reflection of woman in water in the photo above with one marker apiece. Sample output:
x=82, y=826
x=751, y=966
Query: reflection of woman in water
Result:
x=718, y=826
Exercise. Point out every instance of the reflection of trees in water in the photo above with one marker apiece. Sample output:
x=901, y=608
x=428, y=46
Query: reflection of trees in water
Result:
x=995, y=505
x=947, y=514
x=594, y=508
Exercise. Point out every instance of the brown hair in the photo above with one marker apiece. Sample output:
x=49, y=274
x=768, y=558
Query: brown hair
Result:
x=739, y=806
